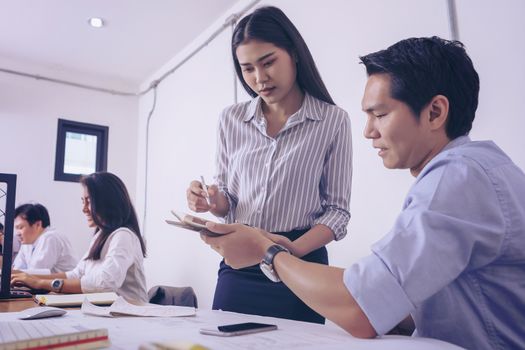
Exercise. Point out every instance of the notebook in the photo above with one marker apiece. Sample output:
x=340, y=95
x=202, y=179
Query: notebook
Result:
x=35, y=335
x=63, y=300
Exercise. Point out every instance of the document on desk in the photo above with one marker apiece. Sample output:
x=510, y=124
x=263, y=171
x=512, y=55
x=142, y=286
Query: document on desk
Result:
x=123, y=308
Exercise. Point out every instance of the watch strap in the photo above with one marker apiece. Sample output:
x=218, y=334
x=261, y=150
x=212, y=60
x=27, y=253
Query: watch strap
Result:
x=272, y=251
x=266, y=264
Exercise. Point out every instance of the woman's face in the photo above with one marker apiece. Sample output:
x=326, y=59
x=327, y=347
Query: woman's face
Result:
x=268, y=70
x=86, y=207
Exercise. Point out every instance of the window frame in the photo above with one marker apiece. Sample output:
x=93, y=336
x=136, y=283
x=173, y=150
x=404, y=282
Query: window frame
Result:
x=100, y=131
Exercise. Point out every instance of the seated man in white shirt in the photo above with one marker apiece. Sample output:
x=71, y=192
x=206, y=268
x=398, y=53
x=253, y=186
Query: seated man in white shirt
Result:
x=43, y=249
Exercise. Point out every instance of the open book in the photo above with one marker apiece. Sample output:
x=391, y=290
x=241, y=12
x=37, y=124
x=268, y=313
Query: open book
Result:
x=63, y=300
x=45, y=335
x=122, y=308
x=191, y=222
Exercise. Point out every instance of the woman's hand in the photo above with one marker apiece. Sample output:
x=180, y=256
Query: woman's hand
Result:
x=196, y=197
x=21, y=279
x=281, y=240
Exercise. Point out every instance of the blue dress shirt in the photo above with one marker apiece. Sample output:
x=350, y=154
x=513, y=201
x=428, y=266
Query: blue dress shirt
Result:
x=455, y=257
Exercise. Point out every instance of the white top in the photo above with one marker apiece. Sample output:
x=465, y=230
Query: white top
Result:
x=51, y=251
x=120, y=268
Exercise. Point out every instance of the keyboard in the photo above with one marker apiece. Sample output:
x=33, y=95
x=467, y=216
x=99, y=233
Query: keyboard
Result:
x=18, y=292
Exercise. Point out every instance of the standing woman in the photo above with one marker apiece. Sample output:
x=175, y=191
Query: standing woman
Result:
x=284, y=162
x=114, y=262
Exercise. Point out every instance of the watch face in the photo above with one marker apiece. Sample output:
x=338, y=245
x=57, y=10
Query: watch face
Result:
x=56, y=285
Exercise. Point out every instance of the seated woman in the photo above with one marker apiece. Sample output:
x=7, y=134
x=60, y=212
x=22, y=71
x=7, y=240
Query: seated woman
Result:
x=114, y=262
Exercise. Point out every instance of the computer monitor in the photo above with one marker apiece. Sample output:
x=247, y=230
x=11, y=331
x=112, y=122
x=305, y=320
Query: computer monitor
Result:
x=8, y=183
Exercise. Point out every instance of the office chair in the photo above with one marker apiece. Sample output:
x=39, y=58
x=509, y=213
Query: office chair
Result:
x=167, y=295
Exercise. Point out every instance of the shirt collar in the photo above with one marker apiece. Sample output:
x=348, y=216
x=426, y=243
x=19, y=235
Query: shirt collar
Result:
x=456, y=142
x=452, y=144
x=310, y=109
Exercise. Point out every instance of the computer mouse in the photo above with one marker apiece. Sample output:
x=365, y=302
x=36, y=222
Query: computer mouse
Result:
x=41, y=312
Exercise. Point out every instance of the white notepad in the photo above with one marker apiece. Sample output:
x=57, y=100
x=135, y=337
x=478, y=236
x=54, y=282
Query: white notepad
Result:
x=62, y=300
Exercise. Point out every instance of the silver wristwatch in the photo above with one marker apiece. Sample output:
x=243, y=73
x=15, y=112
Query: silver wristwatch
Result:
x=266, y=264
x=56, y=285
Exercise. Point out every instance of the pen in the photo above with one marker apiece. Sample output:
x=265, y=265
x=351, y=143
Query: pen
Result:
x=205, y=188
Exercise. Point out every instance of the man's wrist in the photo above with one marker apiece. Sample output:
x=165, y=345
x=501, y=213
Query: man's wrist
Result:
x=263, y=248
x=267, y=263
x=44, y=284
x=56, y=285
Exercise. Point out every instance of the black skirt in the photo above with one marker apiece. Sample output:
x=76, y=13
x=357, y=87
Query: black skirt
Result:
x=249, y=291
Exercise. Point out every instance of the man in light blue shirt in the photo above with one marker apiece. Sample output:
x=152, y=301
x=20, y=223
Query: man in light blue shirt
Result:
x=454, y=259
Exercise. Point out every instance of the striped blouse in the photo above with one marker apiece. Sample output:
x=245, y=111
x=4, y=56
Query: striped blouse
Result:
x=298, y=179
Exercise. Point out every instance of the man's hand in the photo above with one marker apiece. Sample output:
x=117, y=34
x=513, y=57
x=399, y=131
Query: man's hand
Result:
x=240, y=245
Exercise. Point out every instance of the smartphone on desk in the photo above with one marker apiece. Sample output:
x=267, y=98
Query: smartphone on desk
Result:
x=238, y=329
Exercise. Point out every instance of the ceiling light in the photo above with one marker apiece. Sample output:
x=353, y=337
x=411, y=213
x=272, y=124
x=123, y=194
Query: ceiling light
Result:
x=96, y=22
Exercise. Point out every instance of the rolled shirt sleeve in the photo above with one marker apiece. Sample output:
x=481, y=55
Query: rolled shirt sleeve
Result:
x=378, y=293
x=445, y=229
x=336, y=182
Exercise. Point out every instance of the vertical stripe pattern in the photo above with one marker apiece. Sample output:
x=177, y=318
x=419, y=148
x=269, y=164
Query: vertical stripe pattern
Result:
x=298, y=179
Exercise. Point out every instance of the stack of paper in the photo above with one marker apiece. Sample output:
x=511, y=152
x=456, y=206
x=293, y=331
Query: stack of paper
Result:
x=122, y=308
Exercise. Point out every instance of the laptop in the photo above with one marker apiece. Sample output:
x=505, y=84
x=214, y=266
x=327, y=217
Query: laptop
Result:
x=8, y=186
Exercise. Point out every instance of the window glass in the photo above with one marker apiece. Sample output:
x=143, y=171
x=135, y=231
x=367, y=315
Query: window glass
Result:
x=80, y=156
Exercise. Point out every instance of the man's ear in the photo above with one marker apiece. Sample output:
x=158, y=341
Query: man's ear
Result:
x=437, y=111
x=38, y=224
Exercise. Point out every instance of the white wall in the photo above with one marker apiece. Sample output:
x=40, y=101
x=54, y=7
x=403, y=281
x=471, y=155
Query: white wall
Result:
x=182, y=129
x=181, y=148
x=493, y=34
x=29, y=110
x=183, y=126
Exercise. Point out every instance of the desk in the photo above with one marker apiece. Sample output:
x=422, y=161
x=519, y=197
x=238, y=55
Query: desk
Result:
x=131, y=332
x=13, y=305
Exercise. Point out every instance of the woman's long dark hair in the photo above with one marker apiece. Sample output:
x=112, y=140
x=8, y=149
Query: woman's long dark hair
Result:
x=270, y=24
x=111, y=208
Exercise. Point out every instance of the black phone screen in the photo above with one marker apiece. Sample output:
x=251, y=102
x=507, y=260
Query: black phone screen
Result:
x=243, y=327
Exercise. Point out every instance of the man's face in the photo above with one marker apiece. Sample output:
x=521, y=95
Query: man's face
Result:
x=27, y=234
x=403, y=141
